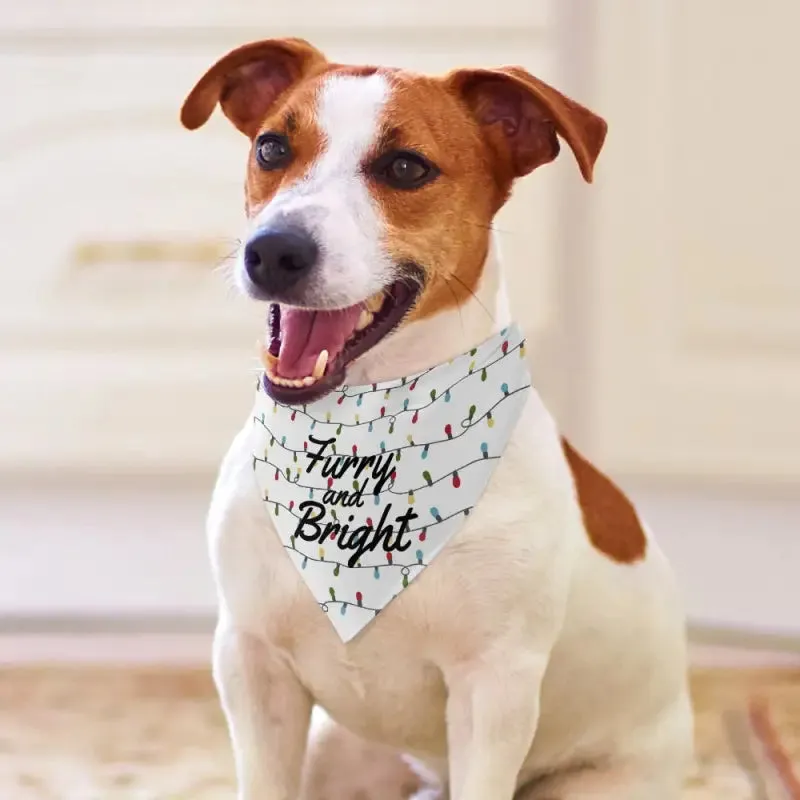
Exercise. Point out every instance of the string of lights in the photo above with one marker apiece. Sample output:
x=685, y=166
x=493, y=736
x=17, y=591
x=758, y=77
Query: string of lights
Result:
x=415, y=409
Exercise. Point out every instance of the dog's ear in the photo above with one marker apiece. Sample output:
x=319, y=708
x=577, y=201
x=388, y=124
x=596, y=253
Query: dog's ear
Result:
x=249, y=80
x=522, y=118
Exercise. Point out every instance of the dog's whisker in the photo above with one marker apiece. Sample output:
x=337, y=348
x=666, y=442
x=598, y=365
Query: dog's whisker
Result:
x=490, y=227
x=226, y=260
x=471, y=292
x=458, y=304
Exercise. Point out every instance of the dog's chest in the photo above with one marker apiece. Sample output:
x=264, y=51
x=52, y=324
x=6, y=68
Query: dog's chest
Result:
x=388, y=678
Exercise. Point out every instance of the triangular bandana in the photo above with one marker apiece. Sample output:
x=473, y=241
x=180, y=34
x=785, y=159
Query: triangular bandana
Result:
x=367, y=485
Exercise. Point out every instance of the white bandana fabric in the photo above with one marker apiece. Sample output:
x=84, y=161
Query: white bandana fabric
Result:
x=367, y=485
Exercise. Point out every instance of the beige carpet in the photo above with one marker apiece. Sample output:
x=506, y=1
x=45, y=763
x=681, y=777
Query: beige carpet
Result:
x=146, y=734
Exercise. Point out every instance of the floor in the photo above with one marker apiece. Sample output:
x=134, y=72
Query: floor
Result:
x=147, y=733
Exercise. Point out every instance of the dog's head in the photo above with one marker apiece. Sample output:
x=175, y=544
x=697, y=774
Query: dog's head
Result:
x=370, y=191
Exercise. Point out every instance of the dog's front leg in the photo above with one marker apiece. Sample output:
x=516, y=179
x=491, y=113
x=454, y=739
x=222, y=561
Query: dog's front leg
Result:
x=268, y=714
x=492, y=713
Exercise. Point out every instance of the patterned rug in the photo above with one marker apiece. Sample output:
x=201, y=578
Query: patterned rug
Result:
x=157, y=734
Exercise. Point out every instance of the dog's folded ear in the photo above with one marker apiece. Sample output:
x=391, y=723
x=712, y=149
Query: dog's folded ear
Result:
x=247, y=82
x=522, y=118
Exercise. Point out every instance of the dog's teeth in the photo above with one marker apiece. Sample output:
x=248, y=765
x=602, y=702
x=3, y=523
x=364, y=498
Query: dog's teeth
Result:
x=297, y=383
x=364, y=320
x=319, y=367
x=375, y=302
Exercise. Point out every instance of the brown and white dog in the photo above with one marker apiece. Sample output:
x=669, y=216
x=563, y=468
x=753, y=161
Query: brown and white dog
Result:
x=560, y=673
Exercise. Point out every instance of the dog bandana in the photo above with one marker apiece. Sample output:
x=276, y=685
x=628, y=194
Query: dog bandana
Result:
x=368, y=484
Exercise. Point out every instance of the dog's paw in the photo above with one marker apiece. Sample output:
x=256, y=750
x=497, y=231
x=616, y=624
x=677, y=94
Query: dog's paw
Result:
x=341, y=766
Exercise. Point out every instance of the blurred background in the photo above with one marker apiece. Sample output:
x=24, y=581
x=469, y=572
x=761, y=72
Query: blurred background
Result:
x=663, y=301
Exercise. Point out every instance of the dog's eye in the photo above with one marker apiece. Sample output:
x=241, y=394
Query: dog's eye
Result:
x=272, y=151
x=404, y=170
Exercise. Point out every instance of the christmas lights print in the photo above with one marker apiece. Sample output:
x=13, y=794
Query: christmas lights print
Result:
x=367, y=485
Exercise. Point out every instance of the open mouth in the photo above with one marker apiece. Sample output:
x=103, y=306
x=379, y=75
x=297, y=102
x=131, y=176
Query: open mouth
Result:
x=309, y=349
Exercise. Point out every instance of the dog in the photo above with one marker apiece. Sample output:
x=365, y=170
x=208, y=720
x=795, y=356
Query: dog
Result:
x=543, y=654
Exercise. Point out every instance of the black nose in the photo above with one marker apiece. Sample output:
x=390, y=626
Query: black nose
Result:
x=277, y=259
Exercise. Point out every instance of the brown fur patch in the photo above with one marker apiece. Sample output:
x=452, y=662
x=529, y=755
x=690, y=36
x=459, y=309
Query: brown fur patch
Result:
x=247, y=81
x=610, y=519
x=293, y=116
x=444, y=225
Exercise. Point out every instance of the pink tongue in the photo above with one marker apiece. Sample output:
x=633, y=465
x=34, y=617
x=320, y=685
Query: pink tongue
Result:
x=305, y=334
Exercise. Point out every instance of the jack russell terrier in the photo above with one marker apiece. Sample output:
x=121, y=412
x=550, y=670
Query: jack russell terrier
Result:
x=543, y=653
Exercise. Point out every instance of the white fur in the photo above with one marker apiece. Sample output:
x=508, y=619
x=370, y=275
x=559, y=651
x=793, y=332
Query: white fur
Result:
x=333, y=201
x=522, y=661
